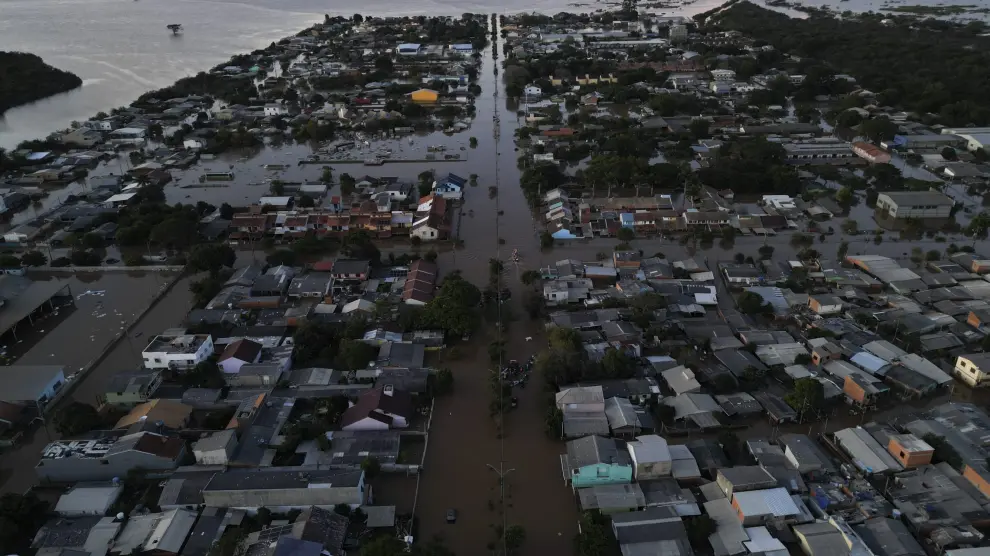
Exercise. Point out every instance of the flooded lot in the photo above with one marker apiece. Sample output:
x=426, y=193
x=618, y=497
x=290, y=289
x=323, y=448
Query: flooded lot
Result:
x=80, y=338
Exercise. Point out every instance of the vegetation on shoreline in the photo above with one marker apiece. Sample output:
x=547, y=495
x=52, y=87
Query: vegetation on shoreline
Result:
x=26, y=78
x=908, y=63
x=936, y=11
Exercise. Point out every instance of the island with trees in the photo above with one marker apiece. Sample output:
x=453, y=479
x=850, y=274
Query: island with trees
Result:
x=26, y=78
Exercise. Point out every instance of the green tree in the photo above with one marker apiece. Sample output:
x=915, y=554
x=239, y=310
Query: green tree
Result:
x=844, y=196
x=850, y=227
x=625, y=234
x=21, y=515
x=326, y=174
x=444, y=382
x=347, y=184
x=978, y=227
x=766, y=251
x=76, y=418
x=699, y=528
x=806, y=395
x=593, y=538
x=752, y=303
x=530, y=276
x=841, y=252
x=371, y=467
x=878, y=129
x=34, y=258
x=210, y=258
x=565, y=339
x=455, y=307
x=616, y=364
x=354, y=354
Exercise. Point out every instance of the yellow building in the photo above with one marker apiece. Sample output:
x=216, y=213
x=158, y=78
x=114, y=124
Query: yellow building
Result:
x=425, y=96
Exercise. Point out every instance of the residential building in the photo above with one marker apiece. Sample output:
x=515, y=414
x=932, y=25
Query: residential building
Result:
x=237, y=354
x=424, y=96
x=973, y=369
x=610, y=499
x=820, y=152
x=128, y=388
x=863, y=389
x=155, y=414
x=866, y=453
x=888, y=537
x=824, y=304
x=216, y=449
x=756, y=507
x=380, y=408
x=744, y=478
x=102, y=459
x=681, y=380
x=31, y=386
x=805, y=454
x=285, y=489
x=183, y=351
x=88, y=499
x=562, y=292
x=914, y=204
x=651, y=531
x=909, y=450
x=350, y=270
x=820, y=539
x=80, y=536
x=651, y=457
x=420, y=285
x=871, y=153
x=594, y=460
x=162, y=534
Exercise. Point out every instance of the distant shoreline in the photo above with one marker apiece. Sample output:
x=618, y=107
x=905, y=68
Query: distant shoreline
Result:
x=26, y=78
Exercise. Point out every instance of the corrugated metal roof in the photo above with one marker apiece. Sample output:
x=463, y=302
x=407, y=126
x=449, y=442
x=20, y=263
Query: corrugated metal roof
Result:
x=772, y=501
x=867, y=453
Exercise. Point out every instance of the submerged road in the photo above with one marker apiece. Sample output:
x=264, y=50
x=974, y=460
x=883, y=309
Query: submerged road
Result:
x=463, y=438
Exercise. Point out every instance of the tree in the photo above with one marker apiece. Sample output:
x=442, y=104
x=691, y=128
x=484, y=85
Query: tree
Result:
x=732, y=445
x=841, y=252
x=354, y=354
x=766, y=251
x=978, y=227
x=948, y=153
x=21, y=515
x=285, y=257
x=616, y=364
x=933, y=255
x=625, y=234
x=752, y=303
x=513, y=538
x=76, y=418
x=206, y=289
x=699, y=128
x=699, y=528
x=306, y=202
x=844, y=196
x=210, y=258
x=850, y=227
x=347, y=184
x=917, y=255
x=943, y=450
x=553, y=422
x=455, y=307
x=371, y=467
x=530, y=276
x=385, y=545
x=807, y=395
x=226, y=211
x=34, y=258
x=594, y=538
x=565, y=339
x=444, y=382
x=878, y=129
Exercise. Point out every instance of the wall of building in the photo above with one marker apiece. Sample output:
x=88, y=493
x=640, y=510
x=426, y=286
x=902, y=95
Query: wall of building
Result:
x=291, y=498
x=601, y=474
x=66, y=470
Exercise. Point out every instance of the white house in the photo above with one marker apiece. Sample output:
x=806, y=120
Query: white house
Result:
x=183, y=351
x=973, y=369
x=216, y=449
x=581, y=399
x=381, y=408
x=559, y=292
x=825, y=304
x=238, y=354
x=650, y=456
x=193, y=144
x=275, y=110
x=532, y=91
x=428, y=228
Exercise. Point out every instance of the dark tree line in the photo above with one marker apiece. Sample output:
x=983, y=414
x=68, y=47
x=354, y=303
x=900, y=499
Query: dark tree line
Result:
x=26, y=78
x=939, y=68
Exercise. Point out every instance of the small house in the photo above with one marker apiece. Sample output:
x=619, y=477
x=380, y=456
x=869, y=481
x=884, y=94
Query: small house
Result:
x=594, y=460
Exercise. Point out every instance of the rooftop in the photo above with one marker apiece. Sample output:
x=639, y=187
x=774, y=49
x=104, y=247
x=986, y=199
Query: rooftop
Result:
x=274, y=479
x=26, y=383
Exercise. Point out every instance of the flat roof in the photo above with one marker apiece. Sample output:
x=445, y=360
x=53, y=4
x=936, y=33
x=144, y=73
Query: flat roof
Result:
x=21, y=296
x=26, y=382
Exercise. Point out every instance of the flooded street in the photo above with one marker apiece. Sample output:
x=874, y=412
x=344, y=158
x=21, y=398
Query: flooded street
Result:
x=463, y=440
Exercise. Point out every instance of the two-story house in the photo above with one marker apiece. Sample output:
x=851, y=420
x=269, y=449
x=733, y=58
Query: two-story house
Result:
x=973, y=369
